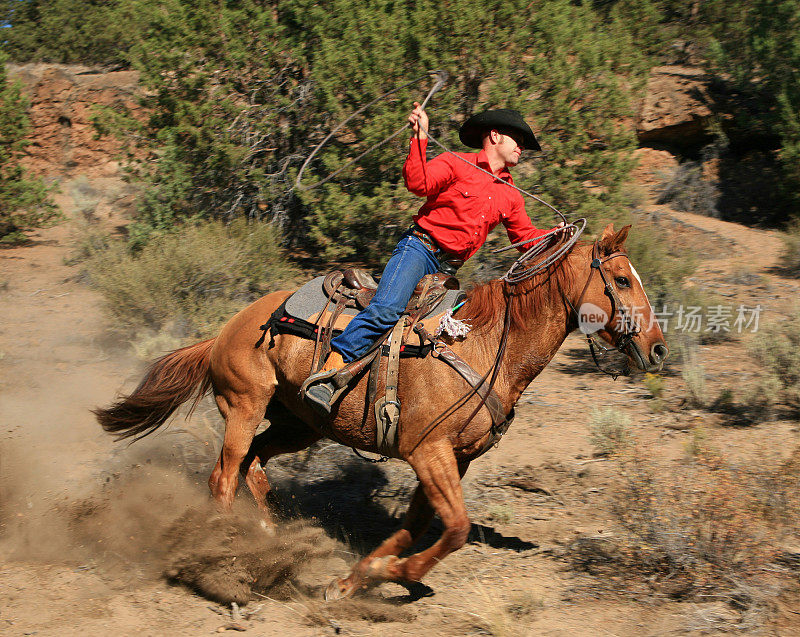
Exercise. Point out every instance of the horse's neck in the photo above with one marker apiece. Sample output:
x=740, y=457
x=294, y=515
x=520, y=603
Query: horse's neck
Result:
x=531, y=346
x=530, y=349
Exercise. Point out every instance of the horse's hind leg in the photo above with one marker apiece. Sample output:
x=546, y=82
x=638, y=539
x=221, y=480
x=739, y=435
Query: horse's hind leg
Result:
x=439, y=491
x=242, y=413
x=286, y=434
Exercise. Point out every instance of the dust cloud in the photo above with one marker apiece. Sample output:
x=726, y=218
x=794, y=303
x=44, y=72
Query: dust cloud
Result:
x=153, y=522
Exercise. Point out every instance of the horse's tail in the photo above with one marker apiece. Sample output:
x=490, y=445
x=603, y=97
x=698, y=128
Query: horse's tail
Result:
x=169, y=382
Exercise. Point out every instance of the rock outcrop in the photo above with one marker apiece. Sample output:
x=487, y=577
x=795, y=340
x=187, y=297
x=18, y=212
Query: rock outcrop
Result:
x=64, y=142
x=677, y=107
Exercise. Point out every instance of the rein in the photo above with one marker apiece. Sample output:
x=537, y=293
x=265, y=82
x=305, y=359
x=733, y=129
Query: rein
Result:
x=520, y=271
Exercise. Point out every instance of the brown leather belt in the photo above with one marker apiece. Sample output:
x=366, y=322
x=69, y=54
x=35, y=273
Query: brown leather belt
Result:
x=448, y=263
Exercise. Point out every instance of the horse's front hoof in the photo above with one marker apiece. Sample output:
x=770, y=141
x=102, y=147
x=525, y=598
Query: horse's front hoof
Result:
x=339, y=589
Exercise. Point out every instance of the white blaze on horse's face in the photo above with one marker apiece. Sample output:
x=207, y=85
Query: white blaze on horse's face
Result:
x=639, y=279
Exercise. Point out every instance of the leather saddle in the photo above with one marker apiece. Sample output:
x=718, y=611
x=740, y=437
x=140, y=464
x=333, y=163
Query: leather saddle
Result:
x=358, y=287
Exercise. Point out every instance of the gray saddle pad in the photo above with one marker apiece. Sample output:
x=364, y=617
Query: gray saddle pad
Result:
x=310, y=299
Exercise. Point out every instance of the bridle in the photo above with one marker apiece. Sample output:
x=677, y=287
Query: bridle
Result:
x=629, y=327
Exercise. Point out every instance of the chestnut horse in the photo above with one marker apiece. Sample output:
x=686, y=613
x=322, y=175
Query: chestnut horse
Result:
x=253, y=383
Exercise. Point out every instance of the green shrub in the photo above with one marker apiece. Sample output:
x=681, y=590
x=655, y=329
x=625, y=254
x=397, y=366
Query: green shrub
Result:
x=24, y=200
x=196, y=277
x=69, y=31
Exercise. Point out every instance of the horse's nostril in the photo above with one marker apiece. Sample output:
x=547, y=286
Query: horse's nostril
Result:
x=658, y=353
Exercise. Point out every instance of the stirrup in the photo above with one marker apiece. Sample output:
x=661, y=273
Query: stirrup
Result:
x=320, y=391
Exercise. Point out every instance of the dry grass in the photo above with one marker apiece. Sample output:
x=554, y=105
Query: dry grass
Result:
x=790, y=259
x=501, y=513
x=506, y=618
x=609, y=431
x=777, y=348
x=707, y=530
x=189, y=282
x=692, y=371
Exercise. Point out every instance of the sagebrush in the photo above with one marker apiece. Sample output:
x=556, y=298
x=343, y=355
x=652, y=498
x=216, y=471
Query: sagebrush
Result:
x=707, y=529
x=609, y=430
x=776, y=347
x=196, y=278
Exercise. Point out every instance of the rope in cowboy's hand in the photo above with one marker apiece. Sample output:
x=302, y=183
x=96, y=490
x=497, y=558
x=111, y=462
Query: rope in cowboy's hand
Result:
x=520, y=270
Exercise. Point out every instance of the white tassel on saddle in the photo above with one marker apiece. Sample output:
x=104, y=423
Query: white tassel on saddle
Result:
x=451, y=326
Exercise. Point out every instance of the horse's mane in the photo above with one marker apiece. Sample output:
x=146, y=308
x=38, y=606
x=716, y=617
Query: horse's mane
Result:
x=486, y=302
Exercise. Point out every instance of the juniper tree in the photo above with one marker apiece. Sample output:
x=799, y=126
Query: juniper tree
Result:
x=237, y=94
x=757, y=43
x=68, y=31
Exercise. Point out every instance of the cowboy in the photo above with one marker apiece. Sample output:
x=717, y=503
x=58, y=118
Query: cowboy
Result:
x=463, y=205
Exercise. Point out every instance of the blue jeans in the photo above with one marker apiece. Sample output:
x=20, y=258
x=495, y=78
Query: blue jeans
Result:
x=409, y=262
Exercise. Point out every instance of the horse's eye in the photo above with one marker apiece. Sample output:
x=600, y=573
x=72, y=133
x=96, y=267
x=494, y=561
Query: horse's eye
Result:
x=623, y=281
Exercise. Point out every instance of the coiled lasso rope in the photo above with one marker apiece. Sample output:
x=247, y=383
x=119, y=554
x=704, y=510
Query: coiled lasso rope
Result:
x=522, y=268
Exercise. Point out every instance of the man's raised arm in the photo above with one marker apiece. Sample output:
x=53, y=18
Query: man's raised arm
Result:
x=424, y=178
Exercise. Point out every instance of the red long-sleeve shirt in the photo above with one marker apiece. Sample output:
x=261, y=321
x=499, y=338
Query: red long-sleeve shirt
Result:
x=464, y=204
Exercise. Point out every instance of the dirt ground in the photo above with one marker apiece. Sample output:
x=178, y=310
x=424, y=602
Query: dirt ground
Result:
x=94, y=534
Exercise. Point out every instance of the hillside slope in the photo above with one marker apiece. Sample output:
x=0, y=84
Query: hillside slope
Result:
x=84, y=519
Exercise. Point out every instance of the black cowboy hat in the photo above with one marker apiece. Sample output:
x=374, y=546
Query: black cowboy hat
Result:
x=471, y=131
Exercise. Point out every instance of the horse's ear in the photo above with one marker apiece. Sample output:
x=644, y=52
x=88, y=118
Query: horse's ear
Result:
x=619, y=239
x=611, y=241
x=605, y=243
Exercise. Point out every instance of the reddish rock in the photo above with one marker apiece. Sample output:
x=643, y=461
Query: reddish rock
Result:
x=677, y=107
x=653, y=167
x=64, y=142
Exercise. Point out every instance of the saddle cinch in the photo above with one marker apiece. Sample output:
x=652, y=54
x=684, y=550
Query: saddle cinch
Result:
x=352, y=290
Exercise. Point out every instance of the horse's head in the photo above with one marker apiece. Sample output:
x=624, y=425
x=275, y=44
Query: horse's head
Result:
x=612, y=303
